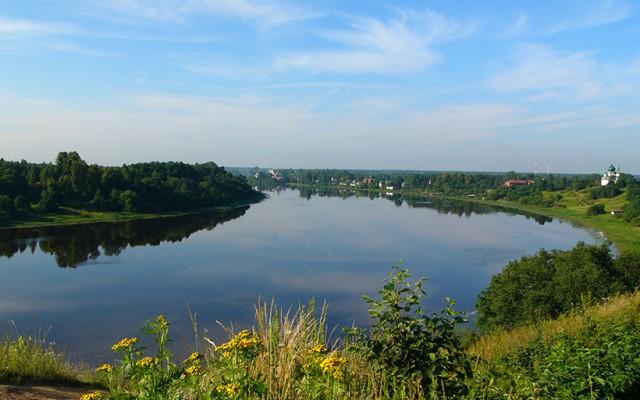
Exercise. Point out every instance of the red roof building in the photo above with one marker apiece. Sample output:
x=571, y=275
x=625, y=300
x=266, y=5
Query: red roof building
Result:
x=518, y=182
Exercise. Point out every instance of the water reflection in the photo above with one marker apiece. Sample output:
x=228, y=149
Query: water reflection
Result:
x=440, y=204
x=77, y=244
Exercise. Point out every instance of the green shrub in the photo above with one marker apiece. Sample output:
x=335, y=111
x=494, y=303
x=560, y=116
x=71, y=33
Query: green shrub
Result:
x=406, y=343
x=596, y=209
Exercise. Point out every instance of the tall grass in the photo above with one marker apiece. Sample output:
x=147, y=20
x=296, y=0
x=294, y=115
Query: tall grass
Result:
x=289, y=338
x=289, y=361
x=591, y=353
x=622, y=309
x=33, y=358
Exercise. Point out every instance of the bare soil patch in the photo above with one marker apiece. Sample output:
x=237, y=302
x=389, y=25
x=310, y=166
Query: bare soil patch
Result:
x=43, y=391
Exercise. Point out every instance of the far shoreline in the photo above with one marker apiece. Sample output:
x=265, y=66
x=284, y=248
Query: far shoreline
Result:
x=623, y=235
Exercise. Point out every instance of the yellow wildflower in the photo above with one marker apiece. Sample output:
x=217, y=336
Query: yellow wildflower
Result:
x=230, y=389
x=247, y=344
x=243, y=334
x=242, y=341
x=319, y=349
x=105, y=367
x=162, y=321
x=334, y=366
x=193, y=370
x=147, y=362
x=124, y=344
x=193, y=358
x=92, y=396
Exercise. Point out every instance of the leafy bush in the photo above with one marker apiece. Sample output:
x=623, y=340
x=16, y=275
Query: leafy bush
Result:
x=405, y=342
x=595, y=209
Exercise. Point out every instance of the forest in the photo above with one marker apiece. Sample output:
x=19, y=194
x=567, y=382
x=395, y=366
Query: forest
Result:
x=153, y=187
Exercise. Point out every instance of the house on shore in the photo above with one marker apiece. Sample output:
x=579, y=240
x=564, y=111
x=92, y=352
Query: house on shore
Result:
x=518, y=182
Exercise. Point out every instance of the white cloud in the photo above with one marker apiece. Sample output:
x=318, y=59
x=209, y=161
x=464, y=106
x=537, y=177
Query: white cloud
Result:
x=592, y=13
x=223, y=68
x=519, y=26
x=373, y=45
x=19, y=36
x=550, y=74
x=179, y=11
x=20, y=27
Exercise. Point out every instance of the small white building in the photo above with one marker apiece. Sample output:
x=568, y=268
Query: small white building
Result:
x=610, y=176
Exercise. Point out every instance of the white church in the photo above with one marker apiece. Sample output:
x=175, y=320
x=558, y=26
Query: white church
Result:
x=610, y=176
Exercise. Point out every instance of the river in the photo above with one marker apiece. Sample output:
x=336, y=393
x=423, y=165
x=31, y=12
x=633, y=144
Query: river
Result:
x=86, y=287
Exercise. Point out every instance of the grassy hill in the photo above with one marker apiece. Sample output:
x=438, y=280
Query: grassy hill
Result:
x=591, y=353
x=572, y=205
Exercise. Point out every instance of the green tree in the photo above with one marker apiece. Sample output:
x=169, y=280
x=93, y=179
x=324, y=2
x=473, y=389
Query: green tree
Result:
x=21, y=203
x=548, y=284
x=627, y=266
x=7, y=209
x=130, y=201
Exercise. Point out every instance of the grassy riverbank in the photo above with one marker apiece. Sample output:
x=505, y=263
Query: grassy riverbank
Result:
x=573, y=205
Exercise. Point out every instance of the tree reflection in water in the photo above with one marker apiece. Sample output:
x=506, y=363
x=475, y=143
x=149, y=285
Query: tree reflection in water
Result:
x=74, y=245
x=441, y=204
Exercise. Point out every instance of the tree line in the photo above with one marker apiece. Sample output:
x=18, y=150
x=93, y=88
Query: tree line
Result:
x=144, y=187
x=543, y=191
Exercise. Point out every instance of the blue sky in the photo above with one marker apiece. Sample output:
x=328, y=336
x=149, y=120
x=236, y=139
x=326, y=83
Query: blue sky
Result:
x=460, y=85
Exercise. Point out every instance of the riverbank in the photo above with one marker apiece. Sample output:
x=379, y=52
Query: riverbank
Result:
x=70, y=216
x=623, y=235
x=572, y=206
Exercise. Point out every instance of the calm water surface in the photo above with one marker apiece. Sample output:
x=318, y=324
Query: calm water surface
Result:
x=89, y=286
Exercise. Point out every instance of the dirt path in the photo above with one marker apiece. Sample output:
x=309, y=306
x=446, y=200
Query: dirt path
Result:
x=35, y=391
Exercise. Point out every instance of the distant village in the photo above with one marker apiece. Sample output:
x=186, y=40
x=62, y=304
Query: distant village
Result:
x=611, y=175
x=388, y=185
